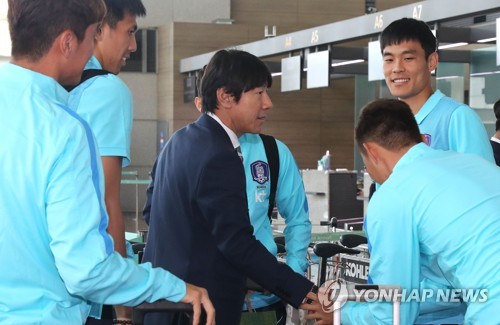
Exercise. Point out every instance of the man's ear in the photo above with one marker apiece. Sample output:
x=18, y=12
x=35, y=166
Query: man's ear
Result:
x=372, y=151
x=197, y=103
x=224, y=99
x=432, y=61
x=67, y=42
x=98, y=32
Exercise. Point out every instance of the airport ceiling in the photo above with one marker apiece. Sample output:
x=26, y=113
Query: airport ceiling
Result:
x=470, y=23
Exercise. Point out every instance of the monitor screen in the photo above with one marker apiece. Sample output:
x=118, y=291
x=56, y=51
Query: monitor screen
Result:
x=189, y=88
x=375, y=62
x=291, y=70
x=498, y=41
x=318, y=69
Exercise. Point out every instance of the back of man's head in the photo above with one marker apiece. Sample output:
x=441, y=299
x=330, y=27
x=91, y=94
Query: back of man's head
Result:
x=236, y=72
x=35, y=24
x=408, y=29
x=388, y=123
x=496, y=110
x=118, y=8
x=198, y=78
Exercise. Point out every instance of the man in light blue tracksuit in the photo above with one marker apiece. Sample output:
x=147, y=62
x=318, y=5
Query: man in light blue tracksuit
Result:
x=291, y=203
x=409, y=50
x=105, y=102
x=435, y=217
x=57, y=257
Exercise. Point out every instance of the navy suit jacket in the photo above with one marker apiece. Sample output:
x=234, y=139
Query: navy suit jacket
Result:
x=199, y=228
x=496, y=151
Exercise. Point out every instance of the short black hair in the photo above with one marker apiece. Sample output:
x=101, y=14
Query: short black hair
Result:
x=408, y=29
x=118, y=8
x=496, y=110
x=389, y=123
x=236, y=72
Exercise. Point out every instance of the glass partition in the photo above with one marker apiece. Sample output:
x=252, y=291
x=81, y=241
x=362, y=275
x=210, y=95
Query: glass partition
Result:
x=484, y=85
x=450, y=80
x=4, y=33
x=365, y=92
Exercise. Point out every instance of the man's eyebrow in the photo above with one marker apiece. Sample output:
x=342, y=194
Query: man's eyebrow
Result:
x=404, y=52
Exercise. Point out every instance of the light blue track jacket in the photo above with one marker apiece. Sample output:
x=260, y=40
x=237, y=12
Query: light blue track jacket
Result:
x=105, y=103
x=450, y=125
x=55, y=252
x=290, y=199
x=436, y=218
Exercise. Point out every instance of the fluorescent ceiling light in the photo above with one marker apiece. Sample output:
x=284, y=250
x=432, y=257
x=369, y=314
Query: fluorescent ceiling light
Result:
x=447, y=46
x=448, y=77
x=223, y=21
x=484, y=73
x=486, y=40
x=347, y=62
x=276, y=74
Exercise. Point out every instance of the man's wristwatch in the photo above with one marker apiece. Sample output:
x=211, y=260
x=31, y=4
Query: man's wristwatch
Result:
x=314, y=290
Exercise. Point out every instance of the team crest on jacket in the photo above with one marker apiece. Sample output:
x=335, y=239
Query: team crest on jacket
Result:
x=427, y=139
x=260, y=171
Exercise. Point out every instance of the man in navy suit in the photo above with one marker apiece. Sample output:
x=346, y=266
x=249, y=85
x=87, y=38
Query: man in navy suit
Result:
x=199, y=227
x=495, y=139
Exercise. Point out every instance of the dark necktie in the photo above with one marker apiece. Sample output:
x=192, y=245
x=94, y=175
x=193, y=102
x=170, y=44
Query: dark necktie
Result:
x=238, y=150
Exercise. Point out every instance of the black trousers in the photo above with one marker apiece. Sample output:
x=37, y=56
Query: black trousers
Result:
x=181, y=319
x=106, y=317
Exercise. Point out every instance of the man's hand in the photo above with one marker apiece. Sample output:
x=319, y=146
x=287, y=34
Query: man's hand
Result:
x=123, y=312
x=198, y=297
x=315, y=311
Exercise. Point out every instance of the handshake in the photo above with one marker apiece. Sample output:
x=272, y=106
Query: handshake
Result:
x=319, y=303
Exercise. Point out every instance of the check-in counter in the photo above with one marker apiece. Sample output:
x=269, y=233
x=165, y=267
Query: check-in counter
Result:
x=315, y=181
x=339, y=191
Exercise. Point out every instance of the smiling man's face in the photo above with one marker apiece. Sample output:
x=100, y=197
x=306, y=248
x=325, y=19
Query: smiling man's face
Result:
x=407, y=71
x=114, y=45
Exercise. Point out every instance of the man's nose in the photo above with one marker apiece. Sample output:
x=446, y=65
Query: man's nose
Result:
x=133, y=44
x=398, y=66
x=266, y=102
